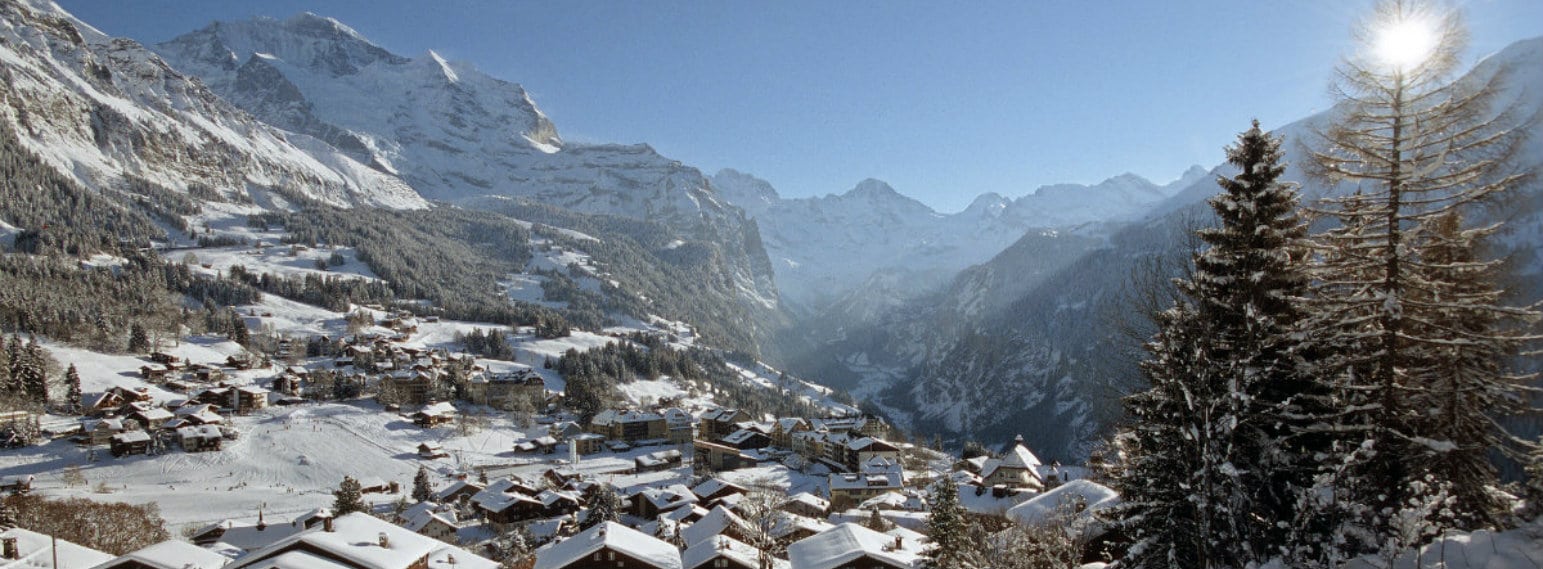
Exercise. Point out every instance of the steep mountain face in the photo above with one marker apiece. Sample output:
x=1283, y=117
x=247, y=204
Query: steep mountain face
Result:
x=457, y=134
x=103, y=110
x=1048, y=354
x=824, y=249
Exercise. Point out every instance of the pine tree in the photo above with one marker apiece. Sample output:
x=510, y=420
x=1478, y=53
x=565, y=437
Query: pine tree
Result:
x=32, y=374
x=422, y=488
x=603, y=508
x=1221, y=415
x=1419, y=146
x=1532, y=489
x=5, y=368
x=139, y=341
x=72, y=379
x=348, y=498
x=946, y=527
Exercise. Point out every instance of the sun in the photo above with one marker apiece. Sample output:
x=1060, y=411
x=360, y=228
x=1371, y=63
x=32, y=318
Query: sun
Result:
x=1404, y=44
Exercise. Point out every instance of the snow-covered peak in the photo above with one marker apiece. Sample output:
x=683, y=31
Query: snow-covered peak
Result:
x=989, y=204
x=752, y=194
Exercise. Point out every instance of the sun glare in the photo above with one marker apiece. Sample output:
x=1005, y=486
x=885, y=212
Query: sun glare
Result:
x=1405, y=44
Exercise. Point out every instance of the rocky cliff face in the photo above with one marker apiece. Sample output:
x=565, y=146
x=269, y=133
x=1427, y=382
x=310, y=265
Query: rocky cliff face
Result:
x=102, y=109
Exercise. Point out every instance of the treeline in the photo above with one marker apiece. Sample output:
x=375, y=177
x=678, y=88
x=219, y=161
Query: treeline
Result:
x=334, y=293
x=114, y=528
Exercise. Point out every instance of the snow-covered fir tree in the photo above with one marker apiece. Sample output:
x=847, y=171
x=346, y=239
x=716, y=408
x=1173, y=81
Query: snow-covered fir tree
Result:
x=348, y=498
x=1387, y=306
x=139, y=340
x=1219, y=423
x=423, y=489
x=72, y=397
x=946, y=527
x=604, y=508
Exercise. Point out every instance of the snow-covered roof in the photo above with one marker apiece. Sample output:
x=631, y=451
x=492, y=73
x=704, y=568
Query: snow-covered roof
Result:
x=809, y=499
x=865, y=481
x=135, y=436
x=983, y=500
x=356, y=539
x=713, y=486
x=37, y=551
x=171, y=554
x=612, y=416
x=611, y=536
x=701, y=553
x=789, y=523
x=1019, y=456
x=742, y=435
x=846, y=542
x=669, y=496
x=714, y=523
x=1038, y=509
x=441, y=409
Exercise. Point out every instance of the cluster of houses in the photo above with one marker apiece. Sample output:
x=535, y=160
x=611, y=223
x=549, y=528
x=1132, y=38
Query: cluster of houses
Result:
x=130, y=422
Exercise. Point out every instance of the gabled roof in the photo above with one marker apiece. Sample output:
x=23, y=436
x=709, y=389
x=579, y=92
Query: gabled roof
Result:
x=713, y=486
x=701, y=553
x=355, y=540
x=612, y=536
x=809, y=500
x=789, y=523
x=170, y=555
x=37, y=550
x=1020, y=457
x=441, y=409
x=671, y=496
x=612, y=416
x=741, y=436
x=842, y=544
x=1039, y=508
x=717, y=521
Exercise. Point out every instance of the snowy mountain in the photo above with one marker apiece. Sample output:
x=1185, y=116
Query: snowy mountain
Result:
x=457, y=134
x=102, y=110
x=1039, y=339
x=825, y=248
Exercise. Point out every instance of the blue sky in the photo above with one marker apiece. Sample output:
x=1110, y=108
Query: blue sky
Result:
x=943, y=100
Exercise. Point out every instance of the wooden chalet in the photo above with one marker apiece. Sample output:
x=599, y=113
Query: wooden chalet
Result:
x=129, y=443
x=609, y=545
x=434, y=414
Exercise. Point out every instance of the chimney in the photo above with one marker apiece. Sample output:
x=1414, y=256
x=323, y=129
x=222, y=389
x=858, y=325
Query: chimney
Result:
x=897, y=543
x=8, y=549
x=261, y=525
x=385, y=542
x=326, y=524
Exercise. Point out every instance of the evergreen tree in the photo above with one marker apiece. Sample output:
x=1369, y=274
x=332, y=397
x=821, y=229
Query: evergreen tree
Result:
x=72, y=379
x=348, y=498
x=422, y=488
x=139, y=340
x=1532, y=489
x=1224, y=384
x=946, y=527
x=32, y=375
x=5, y=368
x=1388, y=308
x=603, y=508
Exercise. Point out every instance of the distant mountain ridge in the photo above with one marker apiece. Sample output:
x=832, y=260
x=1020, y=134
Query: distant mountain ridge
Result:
x=823, y=248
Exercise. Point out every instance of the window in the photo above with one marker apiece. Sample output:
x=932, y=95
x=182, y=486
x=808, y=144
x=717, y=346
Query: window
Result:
x=610, y=555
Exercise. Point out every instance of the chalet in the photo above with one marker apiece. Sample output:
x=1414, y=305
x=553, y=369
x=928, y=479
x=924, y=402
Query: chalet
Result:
x=154, y=373
x=543, y=445
x=791, y=527
x=783, y=429
x=648, y=503
x=503, y=389
x=1018, y=468
x=17, y=483
x=24, y=549
x=715, y=488
x=198, y=414
x=629, y=426
x=434, y=414
x=98, y=432
x=718, y=522
x=163, y=358
x=681, y=426
x=1081, y=500
x=747, y=439
x=200, y=438
x=805, y=504
x=206, y=373
x=587, y=443
x=502, y=504
x=129, y=443
x=170, y=554
x=441, y=524
x=656, y=461
x=429, y=451
x=360, y=541
x=865, y=449
x=719, y=457
x=847, y=490
x=461, y=490
x=609, y=544
x=853, y=546
x=718, y=423
x=152, y=417
x=249, y=398
x=554, y=503
x=377, y=485
x=560, y=477
x=217, y=396
x=721, y=552
x=414, y=385
x=241, y=361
